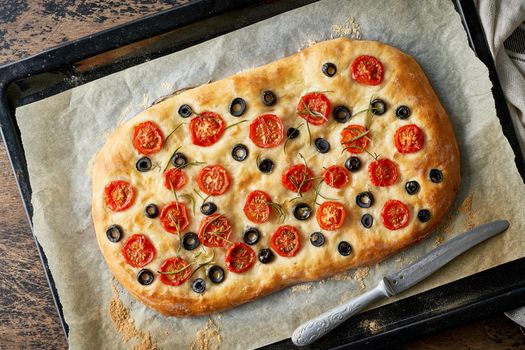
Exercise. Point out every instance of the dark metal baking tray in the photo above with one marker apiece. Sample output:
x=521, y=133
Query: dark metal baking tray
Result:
x=78, y=62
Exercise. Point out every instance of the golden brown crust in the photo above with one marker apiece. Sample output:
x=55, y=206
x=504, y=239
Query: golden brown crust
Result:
x=404, y=83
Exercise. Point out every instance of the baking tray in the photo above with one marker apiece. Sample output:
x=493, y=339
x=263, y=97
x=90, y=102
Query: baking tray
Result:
x=48, y=73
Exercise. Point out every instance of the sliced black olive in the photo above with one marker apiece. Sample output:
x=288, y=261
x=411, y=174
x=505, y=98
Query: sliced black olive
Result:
x=145, y=277
x=423, y=215
x=329, y=69
x=341, y=114
x=240, y=152
x=151, y=211
x=367, y=220
x=317, y=239
x=251, y=236
x=378, y=106
x=412, y=187
x=114, y=233
x=185, y=111
x=403, y=112
x=198, y=285
x=269, y=98
x=302, y=211
x=215, y=273
x=292, y=133
x=344, y=248
x=179, y=160
x=237, y=107
x=322, y=145
x=353, y=163
x=190, y=241
x=143, y=164
x=364, y=199
x=265, y=166
x=435, y=175
x=265, y=255
x=208, y=208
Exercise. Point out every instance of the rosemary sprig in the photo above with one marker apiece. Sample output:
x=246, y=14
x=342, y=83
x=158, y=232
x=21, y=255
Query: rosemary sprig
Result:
x=171, y=133
x=375, y=155
x=235, y=124
x=190, y=198
x=288, y=137
x=173, y=190
x=279, y=209
x=194, y=163
x=309, y=133
x=177, y=226
x=308, y=111
x=212, y=220
x=210, y=261
x=171, y=157
x=198, y=194
x=318, y=194
x=364, y=133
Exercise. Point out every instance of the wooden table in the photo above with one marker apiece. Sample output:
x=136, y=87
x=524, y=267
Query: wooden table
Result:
x=28, y=318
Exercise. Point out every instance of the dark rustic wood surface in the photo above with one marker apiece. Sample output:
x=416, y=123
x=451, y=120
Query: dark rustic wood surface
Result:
x=28, y=318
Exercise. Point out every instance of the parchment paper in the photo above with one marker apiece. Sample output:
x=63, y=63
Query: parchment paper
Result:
x=62, y=133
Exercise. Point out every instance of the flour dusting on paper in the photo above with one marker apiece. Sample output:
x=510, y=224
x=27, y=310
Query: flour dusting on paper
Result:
x=349, y=28
x=360, y=275
x=208, y=337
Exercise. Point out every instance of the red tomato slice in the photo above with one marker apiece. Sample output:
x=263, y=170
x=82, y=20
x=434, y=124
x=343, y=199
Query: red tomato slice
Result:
x=256, y=207
x=147, y=138
x=239, y=258
x=206, y=128
x=214, y=180
x=119, y=195
x=409, y=139
x=215, y=230
x=367, y=70
x=314, y=108
x=383, y=172
x=172, y=215
x=175, y=176
x=171, y=266
x=336, y=176
x=395, y=214
x=331, y=215
x=354, y=139
x=286, y=241
x=297, y=178
x=138, y=250
x=266, y=131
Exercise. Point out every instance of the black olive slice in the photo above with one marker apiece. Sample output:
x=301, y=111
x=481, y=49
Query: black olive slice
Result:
x=341, y=114
x=208, y=208
x=412, y=187
x=367, y=220
x=143, y=164
x=240, y=152
x=190, y=241
x=292, y=133
x=302, y=211
x=251, y=236
x=215, y=273
x=237, y=107
x=269, y=98
x=317, y=239
x=265, y=166
x=344, y=248
x=364, y=199
x=198, y=285
x=179, y=160
x=114, y=233
x=378, y=107
x=265, y=256
x=322, y=145
x=403, y=112
x=151, y=211
x=145, y=277
x=424, y=215
x=353, y=164
x=435, y=175
x=185, y=111
x=329, y=69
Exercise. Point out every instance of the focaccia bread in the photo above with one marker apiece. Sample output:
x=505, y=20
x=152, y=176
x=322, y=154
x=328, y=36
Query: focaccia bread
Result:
x=332, y=158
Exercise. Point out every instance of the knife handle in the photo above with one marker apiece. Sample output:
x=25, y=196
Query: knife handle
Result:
x=317, y=327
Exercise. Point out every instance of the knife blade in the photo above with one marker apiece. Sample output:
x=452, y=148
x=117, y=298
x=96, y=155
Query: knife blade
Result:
x=397, y=282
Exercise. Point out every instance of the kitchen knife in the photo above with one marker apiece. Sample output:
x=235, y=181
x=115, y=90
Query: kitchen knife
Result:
x=398, y=282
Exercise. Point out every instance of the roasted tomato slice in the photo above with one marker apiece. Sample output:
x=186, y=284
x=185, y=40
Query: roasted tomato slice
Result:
x=395, y=214
x=256, y=207
x=175, y=176
x=314, y=108
x=147, y=138
x=286, y=241
x=239, y=258
x=297, y=178
x=354, y=138
x=331, y=215
x=336, y=176
x=206, y=128
x=367, y=70
x=266, y=131
x=175, y=271
x=215, y=230
x=138, y=250
x=383, y=172
x=214, y=180
x=174, y=217
x=120, y=195
x=409, y=139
